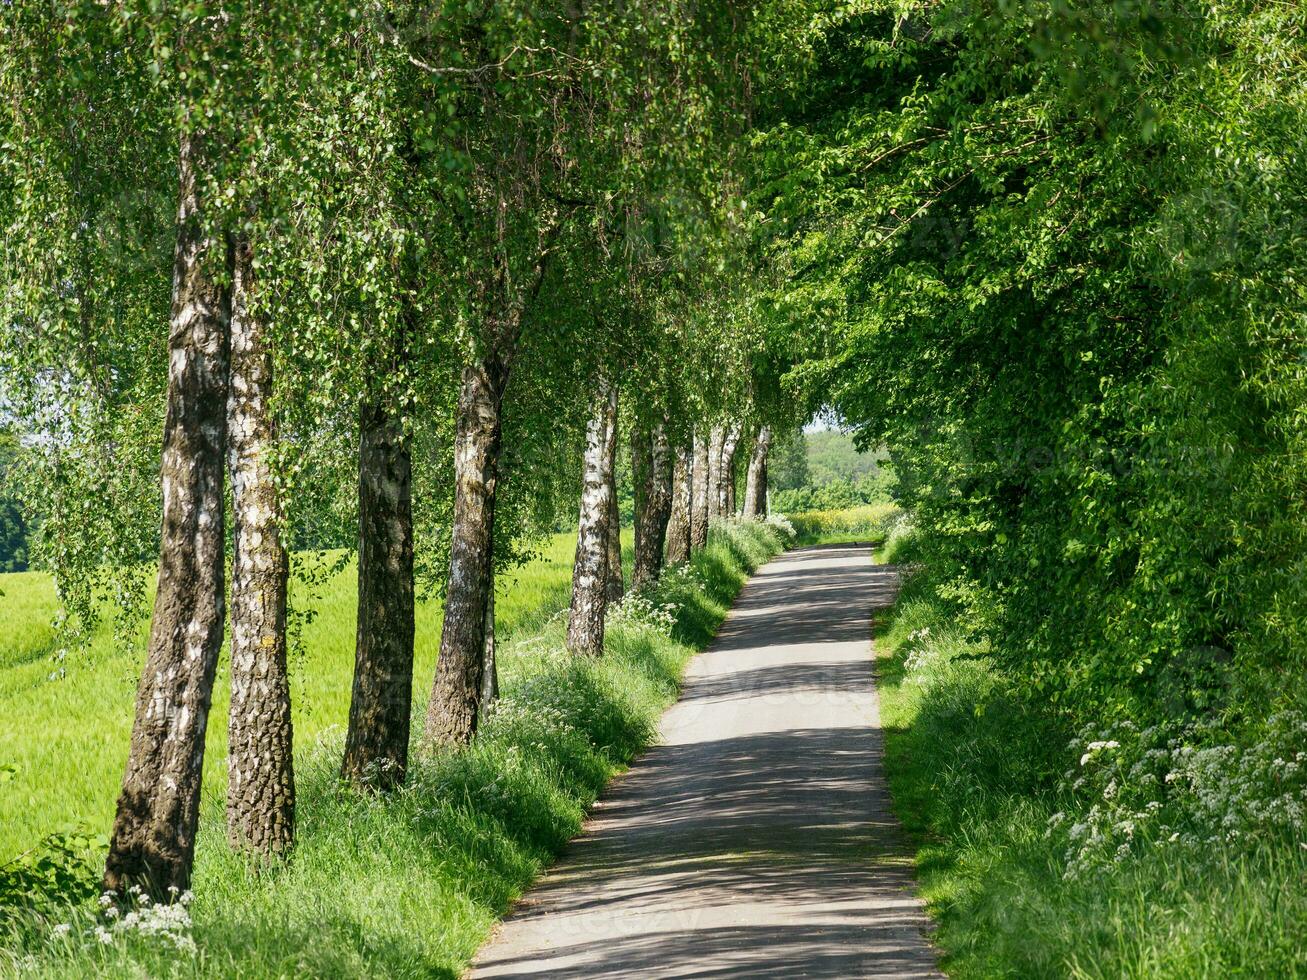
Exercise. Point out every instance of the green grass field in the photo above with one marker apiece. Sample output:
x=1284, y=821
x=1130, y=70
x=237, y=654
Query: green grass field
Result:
x=67, y=735
x=403, y=885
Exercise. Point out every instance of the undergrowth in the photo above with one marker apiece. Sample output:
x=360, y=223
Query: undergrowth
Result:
x=1047, y=851
x=410, y=884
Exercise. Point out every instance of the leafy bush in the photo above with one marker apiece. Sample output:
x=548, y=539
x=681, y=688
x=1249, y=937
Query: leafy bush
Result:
x=877, y=488
x=1166, y=851
x=64, y=867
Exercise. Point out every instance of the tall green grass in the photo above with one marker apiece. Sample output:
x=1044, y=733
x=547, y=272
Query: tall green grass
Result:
x=68, y=720
x=974, y=770
x=409, y=885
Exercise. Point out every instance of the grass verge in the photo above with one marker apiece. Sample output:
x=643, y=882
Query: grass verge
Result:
x=977, y=776
x=410, y=884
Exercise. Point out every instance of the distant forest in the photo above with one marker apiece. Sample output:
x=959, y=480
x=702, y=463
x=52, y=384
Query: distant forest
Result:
x=825, y=470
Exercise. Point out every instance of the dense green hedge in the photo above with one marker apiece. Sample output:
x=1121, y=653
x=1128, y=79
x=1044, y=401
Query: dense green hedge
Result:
x=1061, y=251
x=1116, y=851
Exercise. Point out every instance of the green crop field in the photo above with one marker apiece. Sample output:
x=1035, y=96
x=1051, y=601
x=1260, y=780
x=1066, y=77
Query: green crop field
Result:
x=68, y=721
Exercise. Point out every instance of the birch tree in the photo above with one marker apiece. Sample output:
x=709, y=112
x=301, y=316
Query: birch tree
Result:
x=260, y=768
x=153, y=840
x=585, y=626
x=755, y=486
x=679, y=531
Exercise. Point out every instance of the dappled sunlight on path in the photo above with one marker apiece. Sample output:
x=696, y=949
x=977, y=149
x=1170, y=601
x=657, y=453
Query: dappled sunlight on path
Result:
x=757, y=840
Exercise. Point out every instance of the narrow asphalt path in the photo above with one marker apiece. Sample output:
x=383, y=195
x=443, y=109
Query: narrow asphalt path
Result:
x=757, y=840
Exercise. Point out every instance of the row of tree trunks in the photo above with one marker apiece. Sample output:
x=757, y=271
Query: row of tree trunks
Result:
x=652, y=475
x=376, y=743
x=260, y=777
x=585, y=628
x=454, y=707
x=755, y=484
x=220, y=390
x=681, y=506
x=153, y=839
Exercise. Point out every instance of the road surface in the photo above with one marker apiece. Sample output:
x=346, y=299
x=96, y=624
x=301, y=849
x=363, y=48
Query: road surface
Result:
x=757, y=840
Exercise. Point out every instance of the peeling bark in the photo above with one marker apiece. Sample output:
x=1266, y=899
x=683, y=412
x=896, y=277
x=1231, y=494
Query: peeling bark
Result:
x=380, y=710
x=755, y=487
x=726, y=475
x=261, y=777
x=616, y=585
x=699, y=494
x=585, y=626
x=716, y=443
x=153, y=842
x=652, y=477
x=454, y=708
x=679, y=507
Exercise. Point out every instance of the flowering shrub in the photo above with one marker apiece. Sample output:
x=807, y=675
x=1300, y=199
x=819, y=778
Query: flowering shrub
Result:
x=675, y=587
x=920, y=653
x=642, y=610
x=1164, y=785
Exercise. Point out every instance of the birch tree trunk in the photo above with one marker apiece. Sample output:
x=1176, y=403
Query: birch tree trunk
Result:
x=454, y=708
x=153, y=842
x=755, y=486
x=726, y=484
x=380, y=710
x=681, y=505
x=699, y=494
x=261, y=777
x=716, y=443
x=585, y=626
x=652, y=476
x=641, y=476
x=616, y=585
x=467, y=635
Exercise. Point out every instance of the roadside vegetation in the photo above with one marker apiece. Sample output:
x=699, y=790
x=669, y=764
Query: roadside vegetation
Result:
x=417, y=284
x=1108, y=850
x=469, y=831
x=867, y=524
